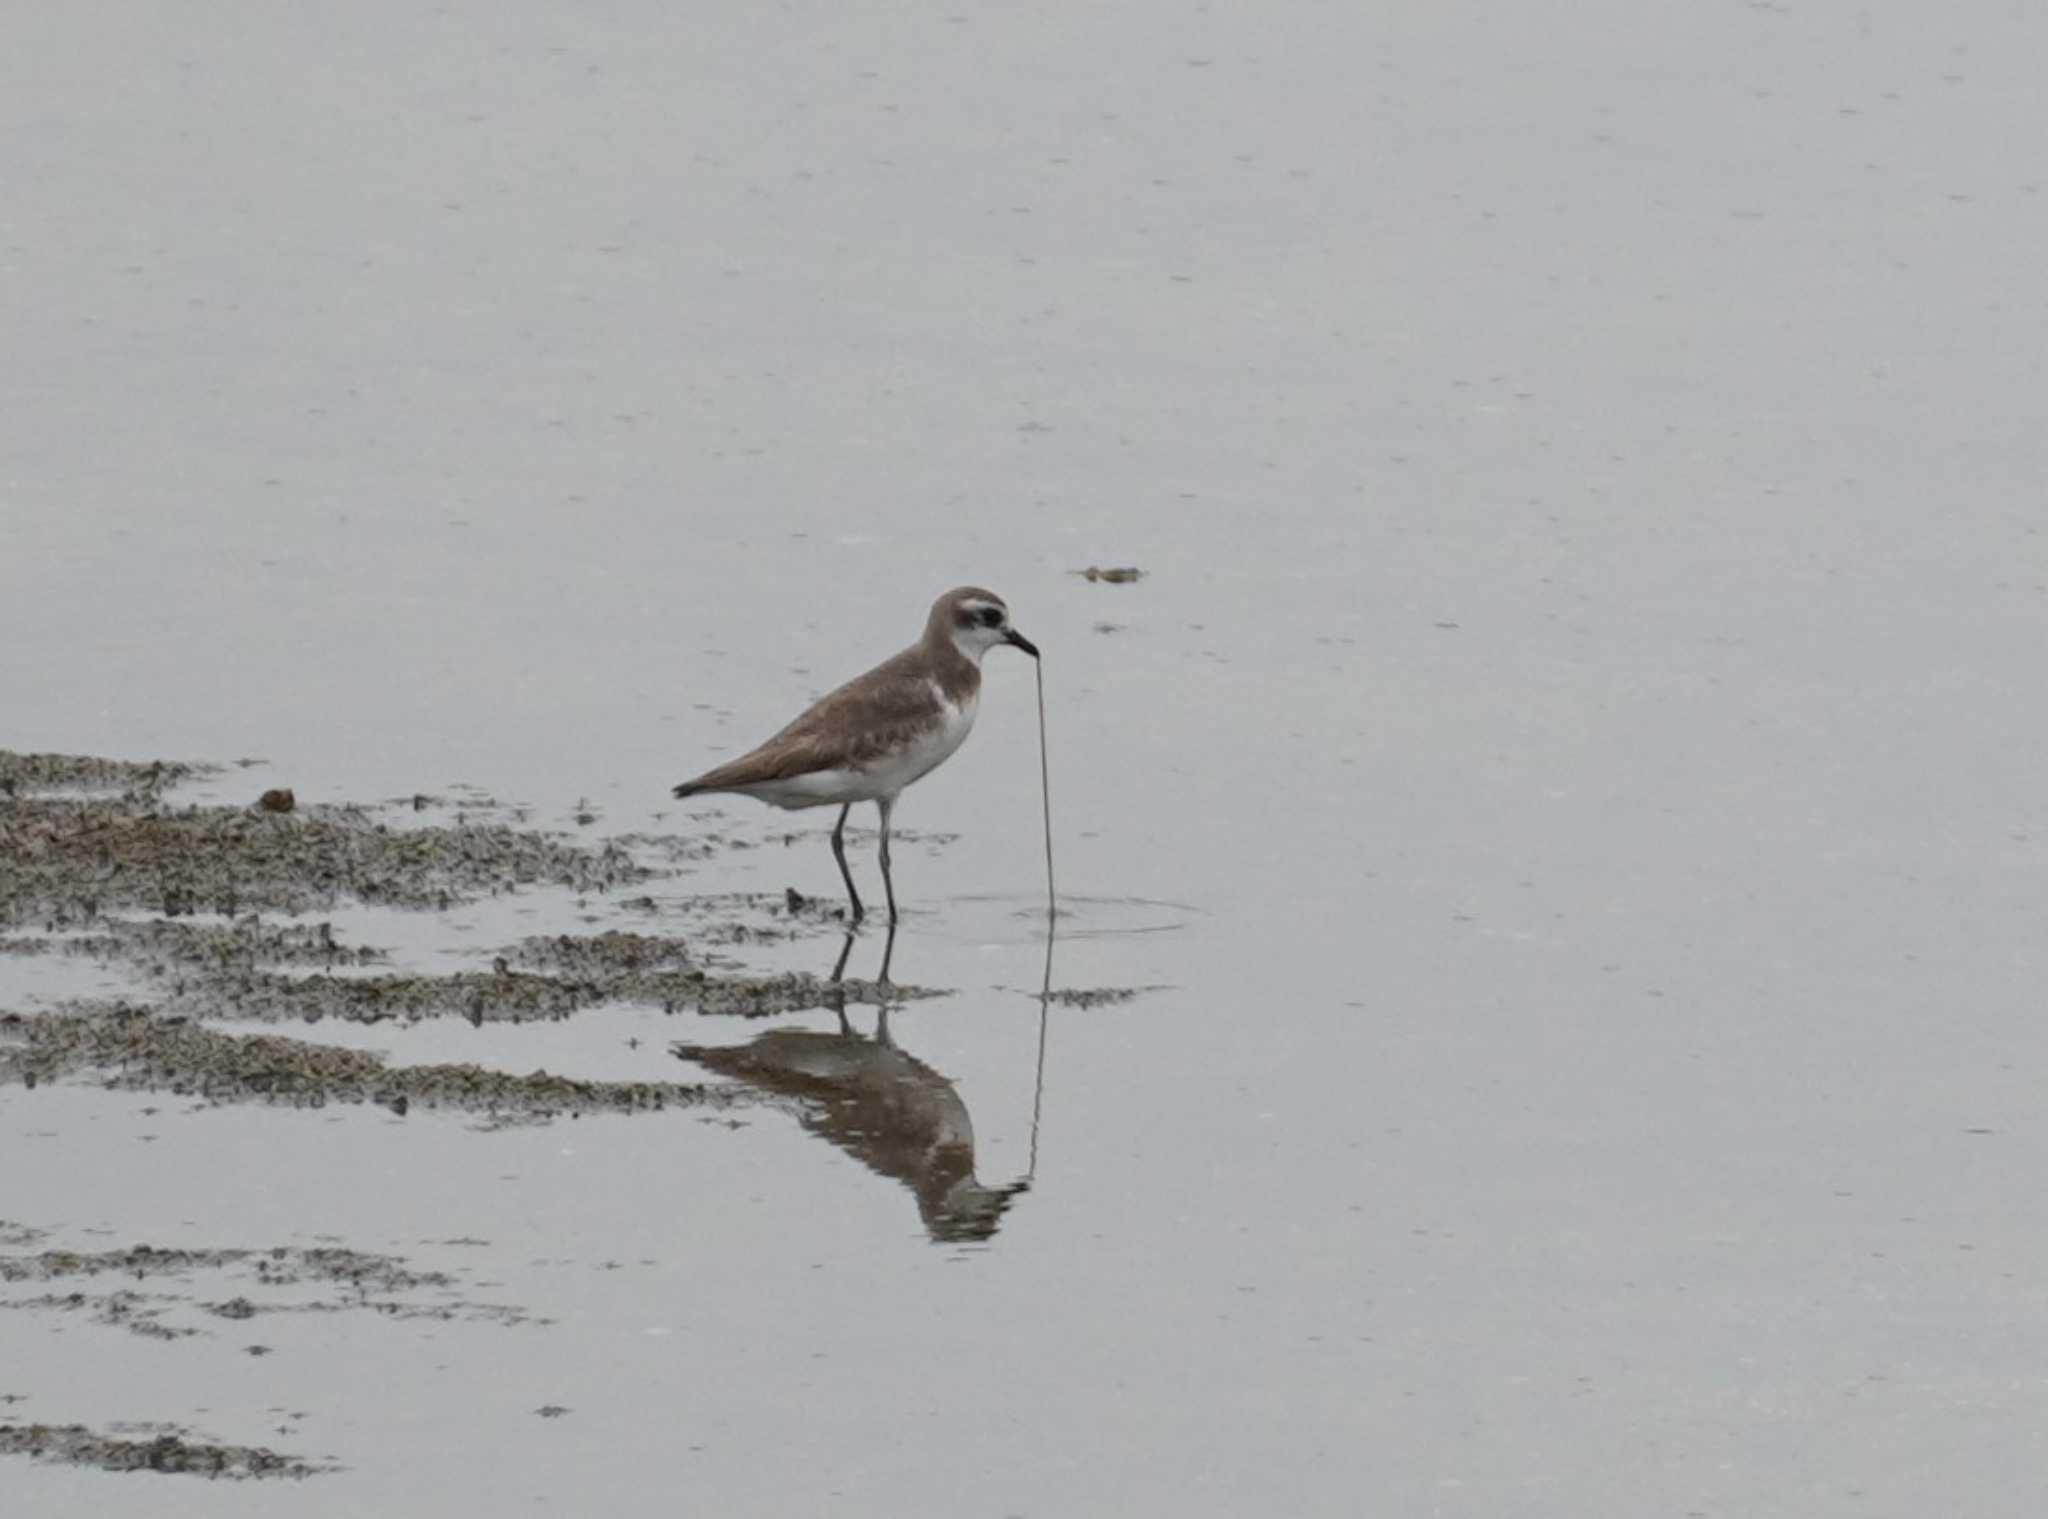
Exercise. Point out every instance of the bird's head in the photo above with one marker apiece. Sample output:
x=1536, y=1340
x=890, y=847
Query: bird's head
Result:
x=975, y=621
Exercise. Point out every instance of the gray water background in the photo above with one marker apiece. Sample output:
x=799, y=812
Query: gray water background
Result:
x=1573, y=766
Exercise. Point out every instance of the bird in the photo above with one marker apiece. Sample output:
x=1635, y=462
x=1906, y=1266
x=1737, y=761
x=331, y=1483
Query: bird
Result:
x=881, y=731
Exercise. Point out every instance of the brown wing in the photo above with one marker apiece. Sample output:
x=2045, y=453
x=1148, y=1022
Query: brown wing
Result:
x=846, y=728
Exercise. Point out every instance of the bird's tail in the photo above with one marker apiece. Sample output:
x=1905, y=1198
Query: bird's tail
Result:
x=688, y=788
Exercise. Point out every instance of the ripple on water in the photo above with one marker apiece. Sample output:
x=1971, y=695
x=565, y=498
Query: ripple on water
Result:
x=1019, y=918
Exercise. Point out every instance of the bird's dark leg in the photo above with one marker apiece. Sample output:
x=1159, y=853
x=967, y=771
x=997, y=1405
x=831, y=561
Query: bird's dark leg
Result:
x=836, y=992
x=886, y=805
x=839, y=854
x=888, y=953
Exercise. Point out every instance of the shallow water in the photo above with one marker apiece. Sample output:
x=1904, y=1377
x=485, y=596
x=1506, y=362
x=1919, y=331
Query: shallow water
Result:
x=1568, y=780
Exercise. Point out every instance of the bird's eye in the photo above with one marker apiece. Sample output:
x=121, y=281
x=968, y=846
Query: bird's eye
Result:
x=991, y=618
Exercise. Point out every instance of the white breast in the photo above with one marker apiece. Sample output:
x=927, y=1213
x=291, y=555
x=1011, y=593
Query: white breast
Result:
x=932, y=747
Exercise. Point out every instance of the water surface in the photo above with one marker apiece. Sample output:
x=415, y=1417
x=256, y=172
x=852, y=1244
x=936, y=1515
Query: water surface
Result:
x=1569, y=777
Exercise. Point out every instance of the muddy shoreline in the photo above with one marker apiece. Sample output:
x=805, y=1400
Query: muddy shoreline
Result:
x=210, y=919
x=203, y=909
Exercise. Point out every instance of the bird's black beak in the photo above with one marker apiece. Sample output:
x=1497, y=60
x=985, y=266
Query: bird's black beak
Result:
x=1020, y=641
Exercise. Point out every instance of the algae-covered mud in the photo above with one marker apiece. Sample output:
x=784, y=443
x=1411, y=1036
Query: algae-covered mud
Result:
x=138, y=1048
x=174, y=1293
x=169, y=1451
x=73, y=857
x=201, y=907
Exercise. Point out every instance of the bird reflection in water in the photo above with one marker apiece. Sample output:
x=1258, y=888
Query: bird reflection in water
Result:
x=881, y=1105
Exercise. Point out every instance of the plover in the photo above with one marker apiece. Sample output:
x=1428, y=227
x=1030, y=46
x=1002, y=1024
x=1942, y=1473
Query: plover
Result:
x=881, y=731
